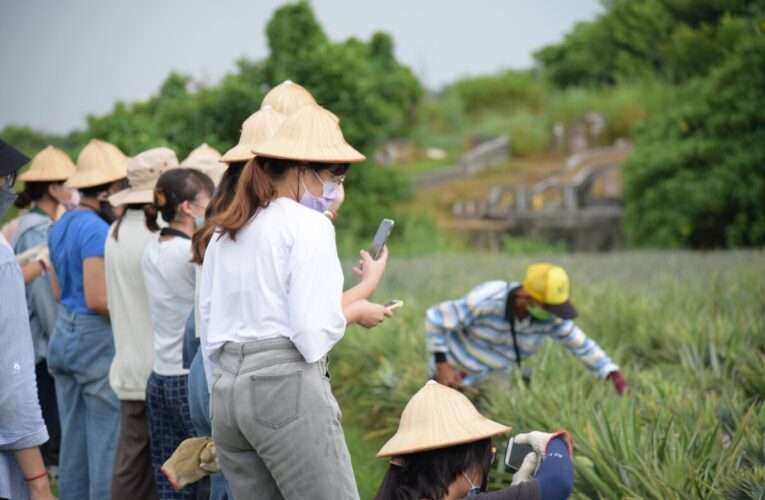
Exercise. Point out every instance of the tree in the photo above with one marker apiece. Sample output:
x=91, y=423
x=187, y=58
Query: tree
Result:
x=697, y=176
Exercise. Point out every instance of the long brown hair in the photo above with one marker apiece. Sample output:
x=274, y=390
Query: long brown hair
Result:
x=255, y=190
x=222, y=198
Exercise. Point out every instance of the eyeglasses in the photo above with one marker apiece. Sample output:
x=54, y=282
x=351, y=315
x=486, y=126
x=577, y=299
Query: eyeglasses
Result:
x=8, y=180
x=337, y=179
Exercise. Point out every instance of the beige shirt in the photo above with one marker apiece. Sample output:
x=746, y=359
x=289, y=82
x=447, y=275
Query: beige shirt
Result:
x=129, y=308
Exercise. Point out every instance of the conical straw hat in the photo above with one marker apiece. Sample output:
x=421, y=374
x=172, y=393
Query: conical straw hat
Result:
x=142, y=173
x=287, y=97
x=309, y=134
x=260, y=126
x=438, y=416
x=98, y=163
x=203, y=151
x=49, y=165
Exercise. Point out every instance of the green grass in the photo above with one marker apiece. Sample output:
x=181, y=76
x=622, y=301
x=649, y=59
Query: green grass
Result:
x=688, y=330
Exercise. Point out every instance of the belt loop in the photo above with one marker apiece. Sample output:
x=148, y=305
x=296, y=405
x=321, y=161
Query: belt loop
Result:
x=241, y=357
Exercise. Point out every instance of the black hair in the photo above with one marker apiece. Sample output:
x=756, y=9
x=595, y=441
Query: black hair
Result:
x=33, y=191
x=428, y=474
x=118, y=222
x=173, y=188
x=105, y=211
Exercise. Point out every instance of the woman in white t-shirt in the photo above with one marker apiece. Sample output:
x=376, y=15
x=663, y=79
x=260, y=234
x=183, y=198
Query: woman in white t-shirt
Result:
x=181, y=196
x=272, y=307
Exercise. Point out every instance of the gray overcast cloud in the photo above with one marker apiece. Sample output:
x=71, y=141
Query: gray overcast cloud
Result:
x=61, y=60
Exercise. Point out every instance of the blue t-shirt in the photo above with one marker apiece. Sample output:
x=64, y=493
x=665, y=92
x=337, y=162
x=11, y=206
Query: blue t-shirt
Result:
x=76, y=236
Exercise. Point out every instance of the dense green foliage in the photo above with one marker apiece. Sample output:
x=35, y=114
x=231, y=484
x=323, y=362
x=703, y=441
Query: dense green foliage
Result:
x=697, y=177
x=686, y=328
x=673, y=40
x=362, y=83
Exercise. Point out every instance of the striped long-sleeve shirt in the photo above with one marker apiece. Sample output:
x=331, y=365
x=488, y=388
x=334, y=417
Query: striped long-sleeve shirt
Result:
x=21, y=423
x=475, y=336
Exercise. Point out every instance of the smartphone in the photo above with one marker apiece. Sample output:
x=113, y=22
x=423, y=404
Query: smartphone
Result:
x=394, y=304
x=516, y=453
x=383, y=231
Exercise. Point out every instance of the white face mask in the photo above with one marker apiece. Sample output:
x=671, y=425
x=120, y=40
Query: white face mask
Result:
x=69, y=198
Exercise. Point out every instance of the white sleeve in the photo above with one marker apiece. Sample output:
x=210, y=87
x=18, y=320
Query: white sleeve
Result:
x=315, y=292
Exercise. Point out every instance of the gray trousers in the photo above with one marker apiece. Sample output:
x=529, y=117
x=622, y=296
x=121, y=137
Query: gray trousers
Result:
x=276, y=424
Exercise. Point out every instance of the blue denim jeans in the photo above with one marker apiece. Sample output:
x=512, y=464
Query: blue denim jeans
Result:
x=199, y=406
x=80, y=353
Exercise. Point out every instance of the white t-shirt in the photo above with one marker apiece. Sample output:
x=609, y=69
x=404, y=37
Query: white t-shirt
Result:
x=280, y=278
x=169, y=276
x=129, y=308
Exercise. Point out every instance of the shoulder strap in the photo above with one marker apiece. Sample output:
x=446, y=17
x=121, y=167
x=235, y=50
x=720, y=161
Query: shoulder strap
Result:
x=510, y=317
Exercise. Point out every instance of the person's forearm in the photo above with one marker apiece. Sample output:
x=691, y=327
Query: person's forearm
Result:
x=556, y=474
x=32, y=468
x=362, y=291
x=351, y=312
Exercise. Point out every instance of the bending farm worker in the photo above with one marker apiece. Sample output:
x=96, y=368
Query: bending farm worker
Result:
x=499, y=324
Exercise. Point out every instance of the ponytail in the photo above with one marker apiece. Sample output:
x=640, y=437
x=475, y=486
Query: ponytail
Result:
x=33, y=191
x=173, y=188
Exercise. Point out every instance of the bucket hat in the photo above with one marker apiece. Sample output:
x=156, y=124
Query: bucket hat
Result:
x=207, y=160
x=261, y=125
x=309, y=134
x=49, y=165
x=548, y=284
x=287, y=97
x=142, y=173
x=438, y=416
x=98, y=163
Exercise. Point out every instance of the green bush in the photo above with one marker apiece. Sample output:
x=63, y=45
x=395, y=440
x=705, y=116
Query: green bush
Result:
x=697, y=176
x=508, y=90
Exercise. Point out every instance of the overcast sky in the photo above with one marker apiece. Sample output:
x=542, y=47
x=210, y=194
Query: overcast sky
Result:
x=63, y=59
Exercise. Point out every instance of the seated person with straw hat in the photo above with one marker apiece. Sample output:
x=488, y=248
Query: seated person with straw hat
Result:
x=499, y=324
x=442, y=450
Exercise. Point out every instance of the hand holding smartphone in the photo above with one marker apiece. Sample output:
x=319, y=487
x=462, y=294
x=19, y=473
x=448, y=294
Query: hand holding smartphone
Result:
x=393, y=304
x=516, y=453
x=378, y=243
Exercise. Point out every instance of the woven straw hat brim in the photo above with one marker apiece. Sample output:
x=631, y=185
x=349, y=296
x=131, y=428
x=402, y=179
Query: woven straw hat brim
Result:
x=129, y=196
x=240, y=152
x=291, y=150
x=309, y=134
x=92, y=178
x=466, y=432
x=49, y=165
x=98, y=163
x=436, y=417
x=259, y=126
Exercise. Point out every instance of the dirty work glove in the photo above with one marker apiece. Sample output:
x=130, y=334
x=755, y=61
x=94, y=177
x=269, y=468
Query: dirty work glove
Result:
x=539, y=440
x=527, y=470
x=619, y=383
x=209, y=458
x=183, y=467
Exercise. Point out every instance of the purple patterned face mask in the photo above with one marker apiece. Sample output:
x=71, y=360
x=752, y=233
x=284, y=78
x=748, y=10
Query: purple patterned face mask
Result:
x=323, y=202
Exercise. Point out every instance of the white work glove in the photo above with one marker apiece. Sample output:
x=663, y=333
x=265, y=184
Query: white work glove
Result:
x=536, y=439
x=208, y=458
x=527, y=470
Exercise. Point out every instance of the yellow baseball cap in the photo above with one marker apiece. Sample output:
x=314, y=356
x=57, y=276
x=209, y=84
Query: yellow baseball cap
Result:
x=548, y=284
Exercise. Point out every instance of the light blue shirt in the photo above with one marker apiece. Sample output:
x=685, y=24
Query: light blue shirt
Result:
x=21, y=422
x=475, y=336
x=31, y=232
